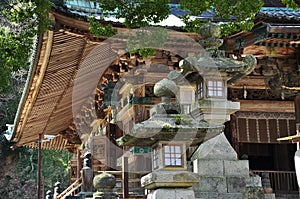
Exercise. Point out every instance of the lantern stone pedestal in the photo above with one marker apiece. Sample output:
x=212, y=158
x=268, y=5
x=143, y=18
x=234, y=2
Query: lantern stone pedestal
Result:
x=104, y=184
x=170, y=184
x=222, y=175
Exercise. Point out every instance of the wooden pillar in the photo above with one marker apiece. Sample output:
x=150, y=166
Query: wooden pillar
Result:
x=297, y=108
x=125, y=177
x=297, y=118
x=297, y=115
x=39, y=166
x=233, y=126
x=78, y=164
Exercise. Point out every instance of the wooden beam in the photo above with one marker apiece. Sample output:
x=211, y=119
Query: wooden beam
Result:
x=267, y=106
x=263, y=51
x=297, y=108
x=297, y=116
x=250, y=82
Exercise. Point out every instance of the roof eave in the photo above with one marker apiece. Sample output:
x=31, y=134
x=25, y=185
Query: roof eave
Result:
x=34, y=75
x=30, y=76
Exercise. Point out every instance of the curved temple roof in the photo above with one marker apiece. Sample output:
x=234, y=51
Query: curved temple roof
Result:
x=47, y=105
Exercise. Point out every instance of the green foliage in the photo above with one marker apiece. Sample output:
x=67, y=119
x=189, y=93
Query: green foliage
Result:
x=33, y=14
x=137, y=14
x=9, y=101
x=178, y=119
x=98, y=29
x=14, y=53
x=192, y=25
x=184, y=120
x=21, y=20
x=166, y=127
x=145, y=52
x=145, y=41
x=55, y=166
x=291, y=4
x=231, y=27
x=243, y=12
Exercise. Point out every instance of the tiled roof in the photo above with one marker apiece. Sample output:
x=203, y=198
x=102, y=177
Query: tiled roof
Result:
x=178, y=12
x=269, y=14
x=283, y=15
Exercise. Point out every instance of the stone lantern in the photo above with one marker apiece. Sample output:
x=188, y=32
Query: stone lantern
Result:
x=195, y=119
x=212, y=72
x=169, y=132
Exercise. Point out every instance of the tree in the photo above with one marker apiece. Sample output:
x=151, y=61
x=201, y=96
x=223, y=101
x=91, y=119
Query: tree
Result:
x=137, y=13
x=21, y=21
x=291, y=3
x=18, y=171
x=237, y=15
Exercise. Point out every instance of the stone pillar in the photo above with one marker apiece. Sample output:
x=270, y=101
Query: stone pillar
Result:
x=222, y=175
x=104, y=184
x=48, y=194
x=56, y=189
x=87, y=173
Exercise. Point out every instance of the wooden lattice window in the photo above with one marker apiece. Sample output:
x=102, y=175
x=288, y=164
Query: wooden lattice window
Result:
x=215, y=88
x=200, y=89
x=172, y=155
x=155, y=157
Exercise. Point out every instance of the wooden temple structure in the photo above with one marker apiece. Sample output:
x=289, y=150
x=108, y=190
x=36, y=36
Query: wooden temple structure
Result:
x=106, y=106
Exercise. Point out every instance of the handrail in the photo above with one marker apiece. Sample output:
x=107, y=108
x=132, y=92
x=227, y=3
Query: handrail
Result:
x=120, y=172
x=70, y=193
x=77, y=184
x=71, y=189
x=281, y=181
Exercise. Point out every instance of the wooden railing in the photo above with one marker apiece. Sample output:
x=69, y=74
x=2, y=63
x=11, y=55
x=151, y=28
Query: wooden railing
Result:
x=281, y=181
x=72, y=190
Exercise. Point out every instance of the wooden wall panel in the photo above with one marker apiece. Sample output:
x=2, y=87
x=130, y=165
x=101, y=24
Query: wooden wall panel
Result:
x=262, y=127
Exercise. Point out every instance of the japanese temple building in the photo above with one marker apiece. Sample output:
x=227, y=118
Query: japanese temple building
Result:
x=84, y=112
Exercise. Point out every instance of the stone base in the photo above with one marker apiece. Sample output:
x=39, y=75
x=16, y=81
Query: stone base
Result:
x=210, y=195
x=105, y=195
x=217, y=148
x=171, y=194
x=269, y=196
x=222, y=175
x=83, y=195
x=229, y=179
x=169, y=179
